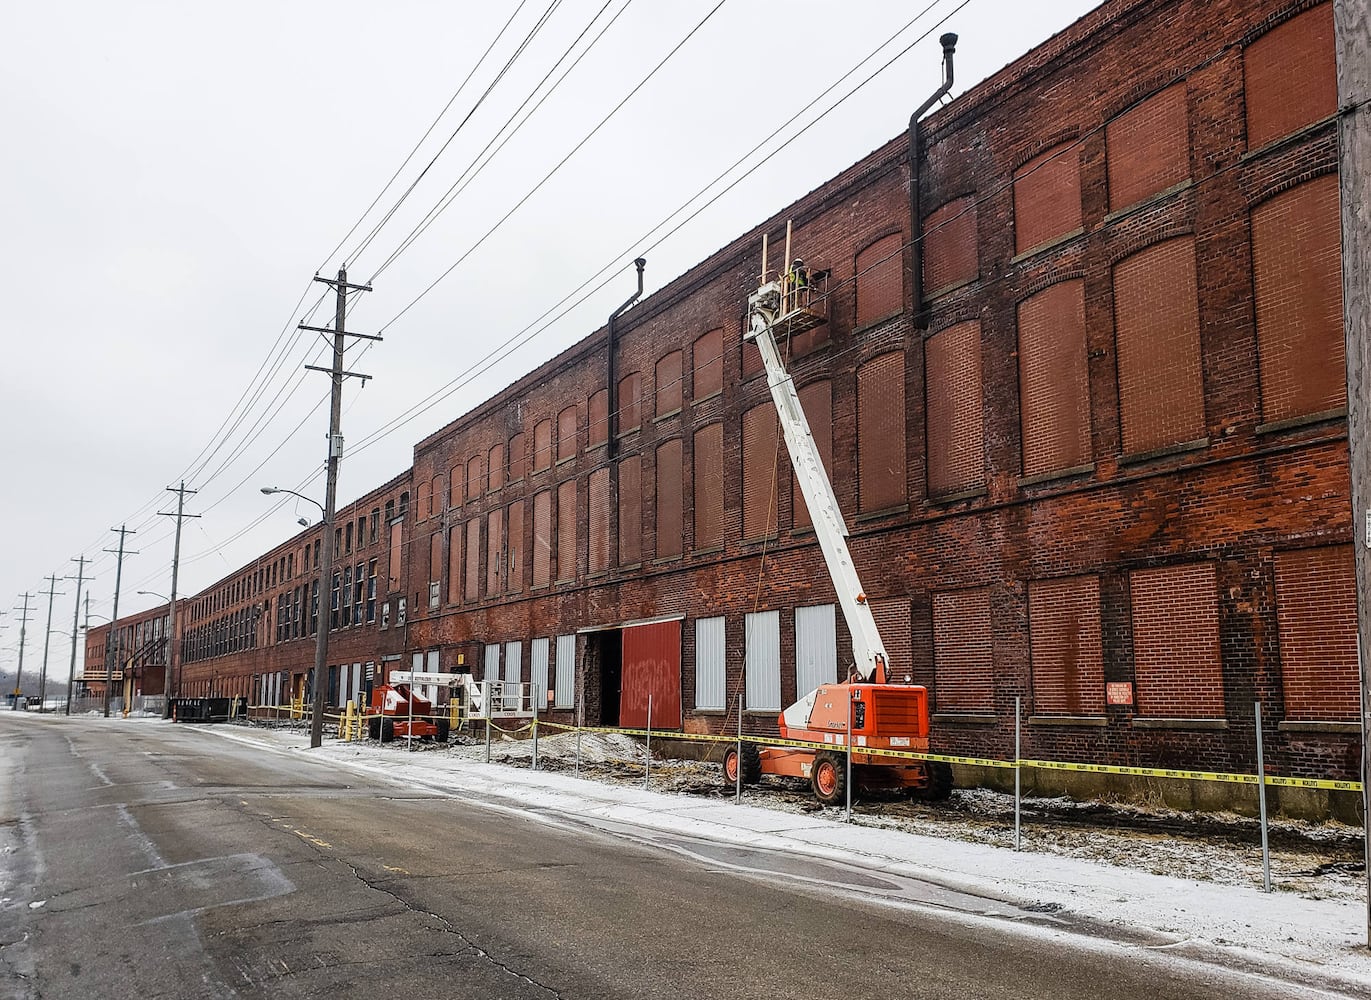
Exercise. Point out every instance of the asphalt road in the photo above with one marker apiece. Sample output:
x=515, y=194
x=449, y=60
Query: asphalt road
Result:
x=145, y=860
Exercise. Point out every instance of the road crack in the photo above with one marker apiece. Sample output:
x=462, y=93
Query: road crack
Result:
x=447, y=927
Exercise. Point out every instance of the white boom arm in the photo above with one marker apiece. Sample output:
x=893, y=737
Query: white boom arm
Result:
x=869, y=656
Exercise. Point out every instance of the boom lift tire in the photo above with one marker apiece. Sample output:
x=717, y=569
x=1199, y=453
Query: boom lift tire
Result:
x=374, y=728
x=939, y=787
x=444, y=724
x=387, y=730
x=828, y=777
x=751, y=762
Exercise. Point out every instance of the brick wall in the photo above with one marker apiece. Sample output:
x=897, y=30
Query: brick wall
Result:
x=1097, y=307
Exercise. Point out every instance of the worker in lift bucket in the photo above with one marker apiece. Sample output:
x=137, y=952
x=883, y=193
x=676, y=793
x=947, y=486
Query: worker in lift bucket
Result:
x=799, y=282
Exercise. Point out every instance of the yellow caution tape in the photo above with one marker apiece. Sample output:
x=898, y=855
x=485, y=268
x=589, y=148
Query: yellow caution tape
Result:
x=1052, y=765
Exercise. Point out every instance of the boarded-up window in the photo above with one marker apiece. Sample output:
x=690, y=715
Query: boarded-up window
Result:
x=631, y=511
x=669, y=526
x=1316, y=608
x=669, y=384
x=565, y=672
x=1054, y=390
x=950, y=246
x=711, y=693
x=495, y=462
x=457, y=486
x=956, y=442
x=495, y=563
x=1157, y=328
x=963, y=661
x=1148, y=148
x=473, y=561
x=762, y=661
x=880, y=288
x=1065, y=644
x=1297, y=270
x=598, y=409
x=396, y=550
x=475, y=482
x=601, y=510
x=1290, y=76
x=630, y=415
x=1176, y=642
x=816, y=399
x=439, y=502
x=761, y=455
x=454, y=564
x=708, y=483
x=538, y=672
x=566, y=531
x=1047, y=197
x=892, y=617
x=542, y=539
x=881, y=433
x=515, y=459
x=708, y=358
x=816, y=648
x=424, y=508
x=542, y=445
x=567, y=438
x=514, y=564
x=435, y=557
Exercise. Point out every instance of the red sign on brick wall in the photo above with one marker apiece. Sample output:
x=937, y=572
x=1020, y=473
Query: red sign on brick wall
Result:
x=1119, y=693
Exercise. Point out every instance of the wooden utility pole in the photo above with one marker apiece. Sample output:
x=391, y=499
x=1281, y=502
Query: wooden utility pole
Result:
x=172, y=649
x=111, y=650
x=23, y=630
x=1352, y=24
x=52, y=592
x=75, y=623
x=335, y=455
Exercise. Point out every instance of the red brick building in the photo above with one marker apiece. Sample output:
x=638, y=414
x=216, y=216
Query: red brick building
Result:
x=1094, y=457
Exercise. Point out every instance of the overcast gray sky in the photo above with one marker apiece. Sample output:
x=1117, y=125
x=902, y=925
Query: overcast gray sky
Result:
x=173, y=174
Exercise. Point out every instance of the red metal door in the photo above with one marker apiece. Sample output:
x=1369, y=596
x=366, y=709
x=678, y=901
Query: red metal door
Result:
x=651, y=666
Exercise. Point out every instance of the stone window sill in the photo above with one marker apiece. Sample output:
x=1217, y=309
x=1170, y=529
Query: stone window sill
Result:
x=1047, y=477
x=1068, y=720
x=1051, y=244
x=1143, y=723
x=1182, y=448
x=966, y=718
x=1304, y=420
x=1149, y=202
x=1311, y=726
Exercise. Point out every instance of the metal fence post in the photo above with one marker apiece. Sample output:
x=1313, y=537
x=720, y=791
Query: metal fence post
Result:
x=580, y=724
x=1261, y=802
x=488, y=707
x=534, y=690
x=647, y=763
x=1018, y=754
x=738, y=778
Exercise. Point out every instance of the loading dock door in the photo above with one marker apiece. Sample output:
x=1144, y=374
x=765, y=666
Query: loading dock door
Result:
x=651, y=666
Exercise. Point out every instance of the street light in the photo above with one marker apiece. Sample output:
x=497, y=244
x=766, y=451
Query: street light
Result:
x=316, y=722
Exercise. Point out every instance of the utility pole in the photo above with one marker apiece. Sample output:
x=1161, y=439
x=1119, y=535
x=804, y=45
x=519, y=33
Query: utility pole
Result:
x=111, y=652
x=75, y=622
x=52, y=592
x=180, y=514
x=1352, y=28
x=335, y=455
x=23, y=630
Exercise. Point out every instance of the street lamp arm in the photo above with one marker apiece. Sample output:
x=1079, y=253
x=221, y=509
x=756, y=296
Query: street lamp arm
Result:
x=269, y=490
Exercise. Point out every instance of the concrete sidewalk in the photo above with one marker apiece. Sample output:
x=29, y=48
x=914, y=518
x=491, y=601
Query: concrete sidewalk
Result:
x=1313, y=941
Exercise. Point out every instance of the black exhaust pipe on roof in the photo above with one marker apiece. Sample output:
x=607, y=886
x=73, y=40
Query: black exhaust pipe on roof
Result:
x=612, y=381
x=949, y=43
